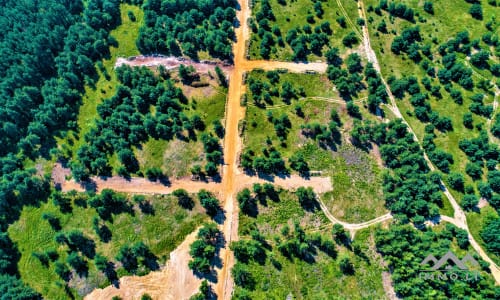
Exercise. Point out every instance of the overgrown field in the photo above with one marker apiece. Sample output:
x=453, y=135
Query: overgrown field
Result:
x=356, y=174
x=131, y=235
x=296, y=253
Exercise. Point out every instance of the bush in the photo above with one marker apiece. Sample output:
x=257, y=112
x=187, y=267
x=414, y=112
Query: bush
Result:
x=346, y=266
x=183, y=198
x=476, y=11
x=307, y=198
x=350, y=39
x=154, y=174
x=242, y=276
x=456, y=181
x=209, y=202
x=469, y=202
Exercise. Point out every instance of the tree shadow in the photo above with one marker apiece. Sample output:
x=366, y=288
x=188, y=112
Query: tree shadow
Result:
x=147, y=208
x=220, y=217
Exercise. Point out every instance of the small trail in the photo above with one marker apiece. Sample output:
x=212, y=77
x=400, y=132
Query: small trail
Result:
x=344, y=13
x=459, y=218
x=352, y=226
x=305, y=99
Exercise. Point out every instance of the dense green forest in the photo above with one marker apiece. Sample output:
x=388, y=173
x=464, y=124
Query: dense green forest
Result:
x=188, y=27
x=49, y=49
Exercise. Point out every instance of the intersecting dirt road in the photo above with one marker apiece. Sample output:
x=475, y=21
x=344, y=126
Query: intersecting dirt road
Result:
x=232, y=178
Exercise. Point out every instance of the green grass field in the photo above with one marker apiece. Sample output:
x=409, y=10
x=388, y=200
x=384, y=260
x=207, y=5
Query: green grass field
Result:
x=320, y=279
x=294, y=14
x=357, y=194
x=161, y=232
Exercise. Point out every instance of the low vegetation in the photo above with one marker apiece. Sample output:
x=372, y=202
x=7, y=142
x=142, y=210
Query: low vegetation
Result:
x=311, y=121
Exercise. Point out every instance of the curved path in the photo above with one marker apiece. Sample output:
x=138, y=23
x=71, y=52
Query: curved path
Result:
x=459, y=219
x=353, y=226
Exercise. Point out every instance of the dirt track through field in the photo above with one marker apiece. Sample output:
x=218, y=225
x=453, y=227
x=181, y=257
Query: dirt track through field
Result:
x=173, y=286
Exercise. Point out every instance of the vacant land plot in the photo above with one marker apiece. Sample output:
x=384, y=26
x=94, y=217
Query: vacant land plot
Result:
x=176, y=157
x=356, y=174
x=357, y=194
x=279, y=275
x=147, y=224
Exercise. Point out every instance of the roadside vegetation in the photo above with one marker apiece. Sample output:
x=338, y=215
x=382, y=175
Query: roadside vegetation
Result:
x=285, y=238
x=77, y=242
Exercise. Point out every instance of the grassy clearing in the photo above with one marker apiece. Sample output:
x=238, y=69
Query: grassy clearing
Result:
x=435, y=29
x=357, y=194
x=315, y=109
x=33, y=234
x=476, y=221
x=308, y=280
x=294, y=14
x=356, y=178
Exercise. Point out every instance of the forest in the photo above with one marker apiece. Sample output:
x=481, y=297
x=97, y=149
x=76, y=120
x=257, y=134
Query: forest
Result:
x=188, y=27
x=49, y=52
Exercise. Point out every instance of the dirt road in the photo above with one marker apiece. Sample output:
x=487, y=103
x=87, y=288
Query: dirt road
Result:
x=232, y=145
x=353, y=226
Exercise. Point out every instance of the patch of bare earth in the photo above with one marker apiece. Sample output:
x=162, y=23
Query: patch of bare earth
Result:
x=171, y=63
x=174, y=281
